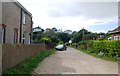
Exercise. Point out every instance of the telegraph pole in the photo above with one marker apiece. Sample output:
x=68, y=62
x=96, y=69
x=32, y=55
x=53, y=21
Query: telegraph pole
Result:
x=83, y=34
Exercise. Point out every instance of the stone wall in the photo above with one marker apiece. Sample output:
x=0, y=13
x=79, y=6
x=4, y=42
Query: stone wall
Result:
x=12, y=54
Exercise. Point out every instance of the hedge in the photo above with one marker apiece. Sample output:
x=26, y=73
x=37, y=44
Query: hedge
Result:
x=109, y=48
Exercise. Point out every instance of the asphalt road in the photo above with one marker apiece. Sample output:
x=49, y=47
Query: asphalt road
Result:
x=75, y=62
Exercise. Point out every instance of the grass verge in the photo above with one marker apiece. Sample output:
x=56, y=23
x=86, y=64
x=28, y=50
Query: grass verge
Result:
x=28, y=65
x=97, y=56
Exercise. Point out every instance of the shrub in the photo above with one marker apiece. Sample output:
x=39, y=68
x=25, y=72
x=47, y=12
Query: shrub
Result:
x=67, y=43
x=109, y=48
x=46, y=40
x=61, y=42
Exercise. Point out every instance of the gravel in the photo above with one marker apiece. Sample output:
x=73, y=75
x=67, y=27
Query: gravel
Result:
x=75, y=62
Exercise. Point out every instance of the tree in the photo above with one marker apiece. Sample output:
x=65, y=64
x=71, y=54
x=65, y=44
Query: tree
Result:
x=37, y=35
x=52, y=35
x=64, y=37
x=54, y=29
x=46, y=40
x=82, y=35
x=77, y=37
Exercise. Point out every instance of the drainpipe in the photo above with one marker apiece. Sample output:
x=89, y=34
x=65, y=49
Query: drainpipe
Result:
x=31, y=31
x=20, y=26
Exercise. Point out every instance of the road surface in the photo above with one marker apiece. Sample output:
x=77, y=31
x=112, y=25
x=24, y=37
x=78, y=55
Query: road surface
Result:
x=75, y=62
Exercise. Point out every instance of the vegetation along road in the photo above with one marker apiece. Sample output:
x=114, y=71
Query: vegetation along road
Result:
x=75, y=62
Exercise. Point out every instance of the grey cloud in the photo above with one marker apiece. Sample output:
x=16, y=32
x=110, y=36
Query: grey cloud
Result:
x=55, y=13
x=64, y=9
x=87, y=9
x=99, y=22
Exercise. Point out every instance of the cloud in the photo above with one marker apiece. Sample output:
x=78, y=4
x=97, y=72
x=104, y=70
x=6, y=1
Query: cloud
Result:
x=86, y=9
x=85, y=14
x=104, y=26
x=72, y=14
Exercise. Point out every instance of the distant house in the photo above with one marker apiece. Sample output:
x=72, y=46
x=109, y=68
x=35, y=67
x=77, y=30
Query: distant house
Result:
x=59, y=31
x=47, y=30
x=37, y=29
x=115, y=33
x=68, y=31
x=16, y=24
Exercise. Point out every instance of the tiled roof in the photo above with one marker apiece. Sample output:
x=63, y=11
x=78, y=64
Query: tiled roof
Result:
x=116, y=29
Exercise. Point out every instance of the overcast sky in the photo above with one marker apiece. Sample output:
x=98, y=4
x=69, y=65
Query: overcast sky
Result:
x=95, y=16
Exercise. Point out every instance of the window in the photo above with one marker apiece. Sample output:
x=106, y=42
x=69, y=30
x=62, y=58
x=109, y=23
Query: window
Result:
x=24, y=18
x=15, y=35
x=3, y=33
x=23, y=38
x=24, y=23
x=116, y=37
x=29, y=39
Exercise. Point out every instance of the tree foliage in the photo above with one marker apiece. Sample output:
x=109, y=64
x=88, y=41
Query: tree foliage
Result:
x=46, y=40
x=61, y=37
x=64, y=37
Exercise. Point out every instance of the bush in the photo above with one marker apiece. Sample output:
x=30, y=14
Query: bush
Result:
x=46, y=40
x=109, y=48
x=67, y=43
x=61, y=42
x=83, y=44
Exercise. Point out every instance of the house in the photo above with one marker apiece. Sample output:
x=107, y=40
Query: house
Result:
x=38, y=29
x=68, y=31
x=48, y=29
x=115, y=33
x=59, y=31
x=16, y=24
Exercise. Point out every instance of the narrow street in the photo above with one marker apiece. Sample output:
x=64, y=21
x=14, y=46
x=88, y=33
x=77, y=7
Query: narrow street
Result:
x=75, y=62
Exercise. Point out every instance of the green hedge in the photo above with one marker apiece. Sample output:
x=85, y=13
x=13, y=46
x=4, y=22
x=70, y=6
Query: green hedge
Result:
x=109, y=48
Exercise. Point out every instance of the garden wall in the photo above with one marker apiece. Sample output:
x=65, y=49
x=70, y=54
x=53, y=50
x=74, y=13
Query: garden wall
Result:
x=12, y=54
x=0, y=59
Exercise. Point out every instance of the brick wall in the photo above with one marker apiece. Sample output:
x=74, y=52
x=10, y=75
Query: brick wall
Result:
x=11, y=17
x=0, y=59
x=13, y=54
x=0, y=22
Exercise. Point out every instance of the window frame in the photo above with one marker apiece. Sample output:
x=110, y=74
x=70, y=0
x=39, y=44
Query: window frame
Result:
x=24, y=18
x=15, y=35
x=116, y=37
x=3, y=33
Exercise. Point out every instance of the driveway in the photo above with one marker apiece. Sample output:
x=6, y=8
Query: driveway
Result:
x=75, y=62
